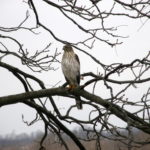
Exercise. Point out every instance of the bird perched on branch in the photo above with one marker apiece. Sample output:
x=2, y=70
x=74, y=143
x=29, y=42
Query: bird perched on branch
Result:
x=71, y=69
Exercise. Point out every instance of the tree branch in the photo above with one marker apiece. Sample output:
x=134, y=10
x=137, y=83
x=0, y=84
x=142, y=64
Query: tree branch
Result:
x=124, y=115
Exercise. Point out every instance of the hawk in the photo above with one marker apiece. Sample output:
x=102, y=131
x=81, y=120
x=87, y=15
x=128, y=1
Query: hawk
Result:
x=71, y=69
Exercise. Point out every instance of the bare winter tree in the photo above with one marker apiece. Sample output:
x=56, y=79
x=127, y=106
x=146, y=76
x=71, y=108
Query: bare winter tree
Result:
x=92, y=17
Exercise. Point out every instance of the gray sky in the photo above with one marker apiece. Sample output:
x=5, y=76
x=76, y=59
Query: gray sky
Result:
x=12, y=12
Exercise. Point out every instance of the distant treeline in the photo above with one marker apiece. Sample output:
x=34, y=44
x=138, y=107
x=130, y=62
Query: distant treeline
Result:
x=18, y=140
x=31, y=142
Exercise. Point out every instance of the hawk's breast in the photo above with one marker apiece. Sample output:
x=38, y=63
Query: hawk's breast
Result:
x=70, y=67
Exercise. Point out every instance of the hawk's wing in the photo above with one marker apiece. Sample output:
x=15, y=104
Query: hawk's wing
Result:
x=78, y=74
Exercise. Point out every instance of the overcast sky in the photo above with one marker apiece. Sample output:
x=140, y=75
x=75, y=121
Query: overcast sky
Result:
x=12, y=12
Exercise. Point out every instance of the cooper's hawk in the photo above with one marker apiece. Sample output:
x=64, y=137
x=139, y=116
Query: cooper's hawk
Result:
x=71, y=69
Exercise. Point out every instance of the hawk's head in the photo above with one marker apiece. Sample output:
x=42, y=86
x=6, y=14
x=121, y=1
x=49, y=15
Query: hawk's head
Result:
x=67, y=48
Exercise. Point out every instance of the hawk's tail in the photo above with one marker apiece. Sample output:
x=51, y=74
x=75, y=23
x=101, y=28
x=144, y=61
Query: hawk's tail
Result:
x=78, y=102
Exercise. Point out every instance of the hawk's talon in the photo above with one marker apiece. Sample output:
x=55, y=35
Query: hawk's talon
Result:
x=68, y=88
x=71, y=87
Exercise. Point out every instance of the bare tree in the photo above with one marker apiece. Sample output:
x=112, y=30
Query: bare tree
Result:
x=134, y=113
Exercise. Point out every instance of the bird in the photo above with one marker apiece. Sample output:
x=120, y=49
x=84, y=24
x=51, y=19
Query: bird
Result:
x=70, y=65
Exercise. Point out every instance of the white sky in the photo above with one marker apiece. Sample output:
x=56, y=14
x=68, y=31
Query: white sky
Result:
x=12, y=12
